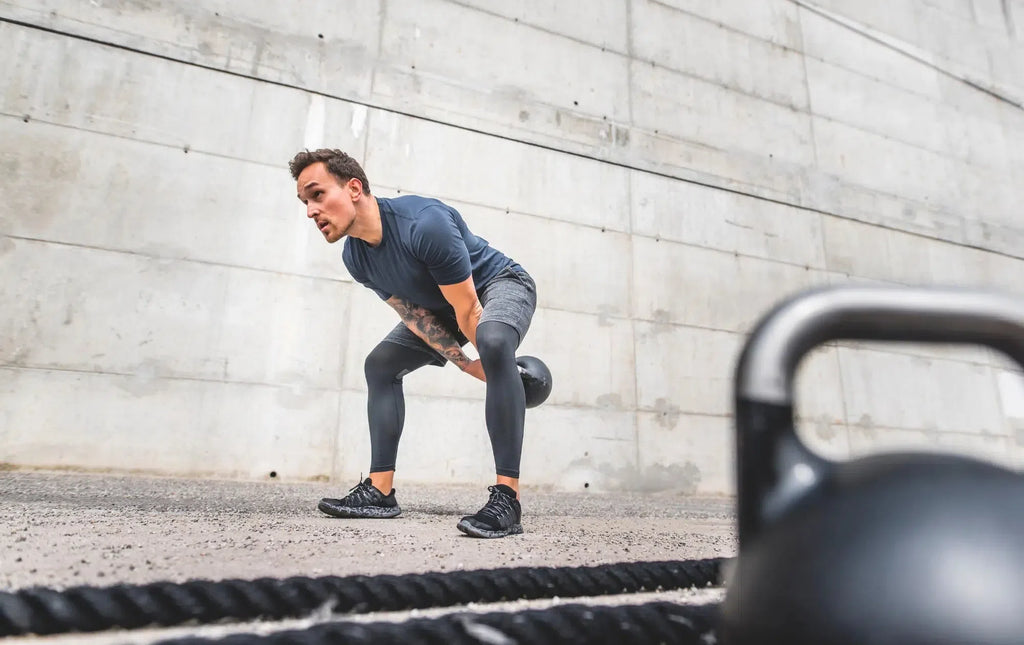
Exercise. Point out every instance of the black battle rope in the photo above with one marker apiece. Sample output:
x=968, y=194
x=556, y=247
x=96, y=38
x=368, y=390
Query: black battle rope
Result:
x=88, y=609
x=658, y=622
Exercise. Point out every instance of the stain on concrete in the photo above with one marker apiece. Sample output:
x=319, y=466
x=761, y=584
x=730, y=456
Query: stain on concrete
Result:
x=684, y=478
x=823, y=428
x=866, y=425
x=145, y=380
x=6, y=245
x=610, y=400
x=605, y=314
x=294, y=397
x=667, y=413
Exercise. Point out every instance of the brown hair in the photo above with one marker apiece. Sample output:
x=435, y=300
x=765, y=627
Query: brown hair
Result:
x=339, y=164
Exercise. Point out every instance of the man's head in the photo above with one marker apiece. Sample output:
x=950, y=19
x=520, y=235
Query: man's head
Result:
x=339, y=164
x=331, y=184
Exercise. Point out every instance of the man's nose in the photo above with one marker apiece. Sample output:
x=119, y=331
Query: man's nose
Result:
x=311, y=211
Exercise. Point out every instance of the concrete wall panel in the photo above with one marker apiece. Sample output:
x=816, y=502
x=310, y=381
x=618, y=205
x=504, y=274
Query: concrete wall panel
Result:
x=323, y=46
x=602, y=24
x=716, y=219
x=414, y=156
x=681, y=370
x=85, y=310
x=689, y=453
x=580, y=449
x=145, y=422
x=694, y=286
x=711, y=52
x=774, y=22
x=111, y=193
x=898, y=391
x=437, y=39
x=884, y=165
x=832, y=42
x=690, y=108
x=860, y=101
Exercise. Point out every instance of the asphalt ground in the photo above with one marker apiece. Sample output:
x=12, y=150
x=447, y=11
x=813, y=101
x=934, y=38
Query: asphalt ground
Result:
x=59, y=530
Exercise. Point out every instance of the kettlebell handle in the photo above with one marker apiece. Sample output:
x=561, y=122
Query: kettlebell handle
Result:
x=774, y=469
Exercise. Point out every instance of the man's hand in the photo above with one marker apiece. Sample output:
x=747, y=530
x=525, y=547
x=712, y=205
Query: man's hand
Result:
x=475, y=368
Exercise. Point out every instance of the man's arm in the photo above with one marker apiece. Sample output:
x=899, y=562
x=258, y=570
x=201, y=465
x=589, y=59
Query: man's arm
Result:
x=462, y=297
x=422, y=322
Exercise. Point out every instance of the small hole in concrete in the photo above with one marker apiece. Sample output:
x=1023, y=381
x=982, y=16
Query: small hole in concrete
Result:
x=320, y=36
x=586, y=484
x=273, y=474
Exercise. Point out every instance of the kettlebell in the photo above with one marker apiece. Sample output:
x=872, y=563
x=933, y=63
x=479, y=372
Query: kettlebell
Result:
x=900, y=548
x=536, y=379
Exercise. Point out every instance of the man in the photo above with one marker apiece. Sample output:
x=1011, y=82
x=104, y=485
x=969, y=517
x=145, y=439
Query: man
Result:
x=449, y=287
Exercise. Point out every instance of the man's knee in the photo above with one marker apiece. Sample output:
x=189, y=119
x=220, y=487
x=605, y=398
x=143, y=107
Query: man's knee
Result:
x=382, y=364
x=496, y=341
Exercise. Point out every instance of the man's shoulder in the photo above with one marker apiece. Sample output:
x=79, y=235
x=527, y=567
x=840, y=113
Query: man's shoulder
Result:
x=412, y=206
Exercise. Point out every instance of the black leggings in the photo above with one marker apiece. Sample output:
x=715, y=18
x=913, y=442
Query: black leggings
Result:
x=504, y=409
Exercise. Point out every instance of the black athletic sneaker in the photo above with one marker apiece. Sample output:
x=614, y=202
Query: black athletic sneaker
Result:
x=362, y=501
x=499, y=517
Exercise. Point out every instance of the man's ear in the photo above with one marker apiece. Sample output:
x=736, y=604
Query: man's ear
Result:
x=355, y=188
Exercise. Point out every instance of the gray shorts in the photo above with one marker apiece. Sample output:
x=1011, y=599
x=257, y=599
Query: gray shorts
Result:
x=509, y=297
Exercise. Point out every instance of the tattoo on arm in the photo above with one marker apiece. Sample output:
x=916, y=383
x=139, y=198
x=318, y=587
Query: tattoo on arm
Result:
x=422, y=322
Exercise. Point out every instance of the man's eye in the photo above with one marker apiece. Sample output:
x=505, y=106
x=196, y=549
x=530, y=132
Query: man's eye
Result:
x=317, y=193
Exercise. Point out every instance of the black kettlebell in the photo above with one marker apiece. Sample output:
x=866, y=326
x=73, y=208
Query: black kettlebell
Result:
x=536, y=379
x=890, y=549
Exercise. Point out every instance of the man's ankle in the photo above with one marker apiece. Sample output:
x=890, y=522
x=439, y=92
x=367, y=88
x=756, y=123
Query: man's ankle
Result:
x=511, y=482
x=383, y=481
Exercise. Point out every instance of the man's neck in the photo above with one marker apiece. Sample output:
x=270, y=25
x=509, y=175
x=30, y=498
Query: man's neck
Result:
x=368, y=226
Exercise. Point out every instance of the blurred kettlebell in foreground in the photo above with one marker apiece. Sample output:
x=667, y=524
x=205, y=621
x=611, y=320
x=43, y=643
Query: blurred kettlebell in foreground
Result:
x=891, y=549
x=536, y=379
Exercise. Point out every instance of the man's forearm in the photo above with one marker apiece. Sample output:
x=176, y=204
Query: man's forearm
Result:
x=468, y=321
x=428, y=327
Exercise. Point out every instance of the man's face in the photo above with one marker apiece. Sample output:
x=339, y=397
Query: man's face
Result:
x=329, y=204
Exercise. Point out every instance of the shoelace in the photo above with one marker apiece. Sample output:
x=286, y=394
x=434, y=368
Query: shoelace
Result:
x=360, y=493
x=499, y=505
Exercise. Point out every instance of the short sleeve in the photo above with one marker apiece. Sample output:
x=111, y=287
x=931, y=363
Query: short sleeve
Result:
x=437, y=242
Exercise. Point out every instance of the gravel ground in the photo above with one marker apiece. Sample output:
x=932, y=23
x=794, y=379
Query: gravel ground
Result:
x=67, y=529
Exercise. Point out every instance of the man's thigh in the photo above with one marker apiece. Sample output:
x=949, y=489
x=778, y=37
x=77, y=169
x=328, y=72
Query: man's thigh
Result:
x=511, y=298
x=402, y=335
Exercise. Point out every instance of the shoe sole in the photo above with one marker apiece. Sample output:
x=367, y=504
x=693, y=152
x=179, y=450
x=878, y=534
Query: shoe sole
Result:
x=366, y=512
x=473, y=531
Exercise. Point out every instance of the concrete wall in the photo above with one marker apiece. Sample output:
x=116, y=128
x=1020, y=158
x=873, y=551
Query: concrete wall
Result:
x=667, y=171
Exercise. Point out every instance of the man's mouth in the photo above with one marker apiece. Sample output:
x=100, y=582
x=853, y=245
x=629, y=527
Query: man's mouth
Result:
x=322, y=225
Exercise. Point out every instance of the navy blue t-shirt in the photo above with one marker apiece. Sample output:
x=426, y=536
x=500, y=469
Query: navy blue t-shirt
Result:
x=425, y=243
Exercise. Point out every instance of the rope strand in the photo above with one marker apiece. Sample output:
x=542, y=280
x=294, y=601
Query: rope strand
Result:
x=88, y=609
x=658, y=622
